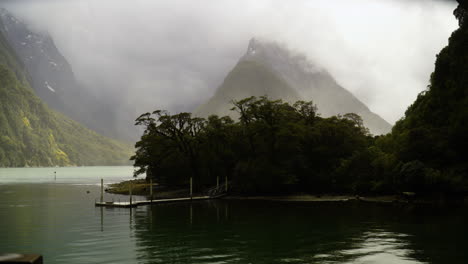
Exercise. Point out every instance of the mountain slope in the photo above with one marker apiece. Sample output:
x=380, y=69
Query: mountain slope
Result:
x=304, y=80
x=53, y=80
x=33, y=135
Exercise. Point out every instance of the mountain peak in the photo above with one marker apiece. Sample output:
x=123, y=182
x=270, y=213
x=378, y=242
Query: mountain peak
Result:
x=279, y=56
x=300, y=78
x=256, y=44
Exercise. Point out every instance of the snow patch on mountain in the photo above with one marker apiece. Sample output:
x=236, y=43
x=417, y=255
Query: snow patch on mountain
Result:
x=49, y=87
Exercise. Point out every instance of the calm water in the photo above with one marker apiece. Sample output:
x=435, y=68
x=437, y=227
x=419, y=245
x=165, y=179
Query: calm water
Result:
x=57, y=218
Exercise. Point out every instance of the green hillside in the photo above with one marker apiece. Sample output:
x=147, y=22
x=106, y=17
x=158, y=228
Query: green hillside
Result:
x=33, y=135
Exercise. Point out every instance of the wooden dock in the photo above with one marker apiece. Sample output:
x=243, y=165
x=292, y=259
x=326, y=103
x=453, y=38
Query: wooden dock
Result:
x=149, y=202
x=213, y=193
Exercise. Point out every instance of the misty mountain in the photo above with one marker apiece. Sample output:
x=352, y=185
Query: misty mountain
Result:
x=53, y=80
x=31, y=134
x=248, y=78
x=267, y=68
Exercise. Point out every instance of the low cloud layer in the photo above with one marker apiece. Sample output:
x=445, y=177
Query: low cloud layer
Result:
x=173, y=54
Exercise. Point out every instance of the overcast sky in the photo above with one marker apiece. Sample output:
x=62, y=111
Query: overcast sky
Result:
x=173, y=54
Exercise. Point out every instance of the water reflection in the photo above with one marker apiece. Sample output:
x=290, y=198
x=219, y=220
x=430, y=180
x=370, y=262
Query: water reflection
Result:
x=256, y=234
x=61, y=222
x=102, y=218
x=380, y=246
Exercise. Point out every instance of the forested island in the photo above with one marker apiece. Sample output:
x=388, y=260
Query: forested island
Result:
x=276, y=147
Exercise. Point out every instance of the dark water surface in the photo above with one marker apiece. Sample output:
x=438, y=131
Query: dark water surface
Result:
x=58, y=219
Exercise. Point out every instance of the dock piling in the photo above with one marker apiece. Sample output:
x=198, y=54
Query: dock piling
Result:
x=131, y=187
x=191, y=214
x=191, y=188
x=151, y=189
x=226, y=184
x=102, y=190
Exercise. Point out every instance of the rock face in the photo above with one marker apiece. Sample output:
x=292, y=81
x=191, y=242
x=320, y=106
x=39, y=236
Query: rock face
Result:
x=53, y=80
x=270, y=69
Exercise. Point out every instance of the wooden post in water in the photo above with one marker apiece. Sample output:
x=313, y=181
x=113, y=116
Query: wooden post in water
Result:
x=102, y=190
x=191, y=214
x=226, y=184
x=191, y=187
x=217, y=182
x=131, y=187
x=151, y=189
x=102, y=219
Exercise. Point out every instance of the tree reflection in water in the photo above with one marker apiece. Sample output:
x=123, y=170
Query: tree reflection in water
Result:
x=269, y=232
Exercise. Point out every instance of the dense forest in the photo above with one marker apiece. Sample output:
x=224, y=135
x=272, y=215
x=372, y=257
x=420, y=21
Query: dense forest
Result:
x=31, y=134
x=276, y=147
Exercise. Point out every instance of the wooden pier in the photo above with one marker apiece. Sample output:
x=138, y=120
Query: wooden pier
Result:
x=158, y=201
x=213, y=193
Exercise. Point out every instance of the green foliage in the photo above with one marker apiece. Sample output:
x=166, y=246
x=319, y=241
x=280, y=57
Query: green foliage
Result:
x=432, y=139
x=425, y=153
x=273, y=147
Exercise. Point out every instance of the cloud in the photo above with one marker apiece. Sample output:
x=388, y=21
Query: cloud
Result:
x=173, y=54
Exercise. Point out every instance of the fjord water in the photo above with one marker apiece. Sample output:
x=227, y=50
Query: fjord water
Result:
x=57, y=218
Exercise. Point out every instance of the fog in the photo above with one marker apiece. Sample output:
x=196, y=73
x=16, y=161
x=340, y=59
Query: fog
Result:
x=173, y=54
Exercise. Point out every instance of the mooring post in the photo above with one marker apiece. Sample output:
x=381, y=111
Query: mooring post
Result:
x=151, y=189
x=102, y=190
x=131, y=186
x=55, y=175
x=217, y=182
x=226, y=184
x=191, y=188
